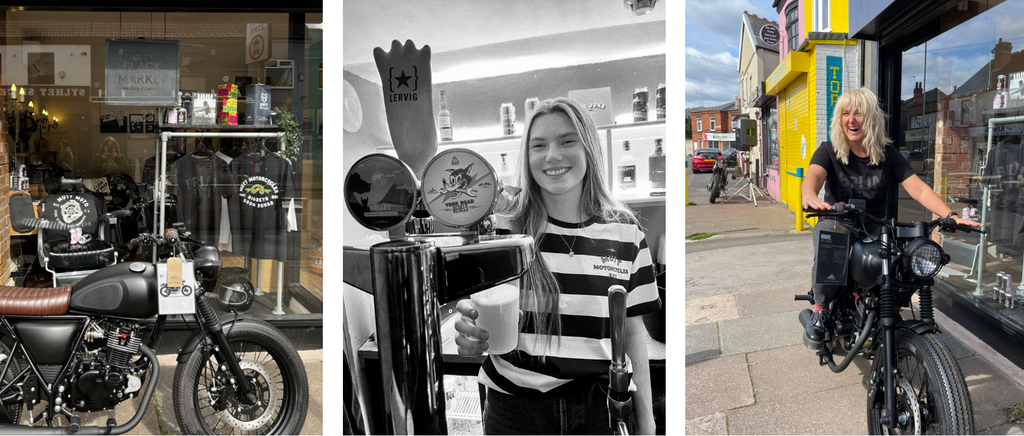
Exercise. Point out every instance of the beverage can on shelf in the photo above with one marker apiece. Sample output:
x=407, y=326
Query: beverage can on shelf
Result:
x=659, y=101
x=531, y=105
x=508, y=118
x=640, y=98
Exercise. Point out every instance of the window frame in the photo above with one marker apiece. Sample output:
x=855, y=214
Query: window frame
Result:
x=792, y=25
x=712, y=123
x=822, y=21
x=699, y=119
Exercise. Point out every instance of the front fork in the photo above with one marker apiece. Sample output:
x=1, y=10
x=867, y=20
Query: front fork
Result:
x=224, y=353
x=888, y=306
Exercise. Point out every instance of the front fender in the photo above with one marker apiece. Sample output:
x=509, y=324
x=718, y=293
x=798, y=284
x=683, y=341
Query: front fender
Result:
x=916, y=325
x=193, y=341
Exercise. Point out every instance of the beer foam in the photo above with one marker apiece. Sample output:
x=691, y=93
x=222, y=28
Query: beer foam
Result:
x=497, y=296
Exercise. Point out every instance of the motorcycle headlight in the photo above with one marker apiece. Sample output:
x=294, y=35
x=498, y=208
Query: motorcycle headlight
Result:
x=923, y=258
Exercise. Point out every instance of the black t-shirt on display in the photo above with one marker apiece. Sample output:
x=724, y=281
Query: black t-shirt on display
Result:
x=198, y=184
x=859, y=179
x=259, y=221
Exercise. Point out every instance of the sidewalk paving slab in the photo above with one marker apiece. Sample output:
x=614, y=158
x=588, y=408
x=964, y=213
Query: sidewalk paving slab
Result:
x=756, y=333
x=702, y=342
x=793, y=371
x=720, y=384
x=711, y=309
x=1005, y=429
x=836, y=411
x=771, y=302
x=710, y=424
x=743, y=270
x=991, y=391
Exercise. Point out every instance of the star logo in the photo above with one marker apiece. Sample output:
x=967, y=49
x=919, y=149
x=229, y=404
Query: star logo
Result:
x=403, y=80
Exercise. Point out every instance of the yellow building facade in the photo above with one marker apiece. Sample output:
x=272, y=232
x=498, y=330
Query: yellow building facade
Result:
x=807, y=83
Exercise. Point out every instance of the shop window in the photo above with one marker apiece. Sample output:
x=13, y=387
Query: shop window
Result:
x=792, y=25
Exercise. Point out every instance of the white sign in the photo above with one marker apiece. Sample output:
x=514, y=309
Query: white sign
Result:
x=803, y=147
x=719, y=136
x=257, y=42
x=173, y=301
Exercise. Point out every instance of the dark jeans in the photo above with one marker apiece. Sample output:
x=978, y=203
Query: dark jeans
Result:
x=583, y=412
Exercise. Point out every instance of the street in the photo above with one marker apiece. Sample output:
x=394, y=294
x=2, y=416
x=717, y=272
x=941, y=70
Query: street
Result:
x=747, y=370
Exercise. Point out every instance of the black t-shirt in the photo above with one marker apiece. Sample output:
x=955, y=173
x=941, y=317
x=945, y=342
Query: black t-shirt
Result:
x=258, y=213
x=859, y=179
x=198, y=184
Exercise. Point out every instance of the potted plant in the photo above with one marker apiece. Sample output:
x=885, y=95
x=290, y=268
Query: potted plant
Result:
x=292, y=133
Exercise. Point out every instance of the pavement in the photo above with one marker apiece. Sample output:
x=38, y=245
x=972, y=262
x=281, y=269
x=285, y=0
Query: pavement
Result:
x=747, y=370
x=159, y=417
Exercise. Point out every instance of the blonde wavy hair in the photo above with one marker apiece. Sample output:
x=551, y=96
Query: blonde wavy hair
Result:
x=874, y=125
x=540, y=292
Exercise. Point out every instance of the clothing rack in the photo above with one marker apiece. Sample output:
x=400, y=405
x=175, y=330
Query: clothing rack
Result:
x=162, y=190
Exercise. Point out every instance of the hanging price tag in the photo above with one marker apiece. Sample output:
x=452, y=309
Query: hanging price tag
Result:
x=174, y=272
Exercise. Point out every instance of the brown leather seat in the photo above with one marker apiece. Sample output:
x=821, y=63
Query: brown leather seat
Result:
x=34, y=301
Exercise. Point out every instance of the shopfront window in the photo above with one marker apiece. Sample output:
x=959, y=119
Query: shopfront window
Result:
x=772, y=138
x=100, y=88
x=953, y=86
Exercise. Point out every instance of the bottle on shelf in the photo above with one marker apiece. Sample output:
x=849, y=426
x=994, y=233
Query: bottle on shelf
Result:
x=657, y=169
x=182, y=112
x=504, y=175
x=444, y=119
x=626, y=167
x=172, y=115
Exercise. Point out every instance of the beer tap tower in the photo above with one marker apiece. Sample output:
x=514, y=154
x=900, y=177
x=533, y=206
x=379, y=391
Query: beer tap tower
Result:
x=414, y=273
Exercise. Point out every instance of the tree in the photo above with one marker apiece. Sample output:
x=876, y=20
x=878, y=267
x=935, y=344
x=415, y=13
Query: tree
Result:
x=689, y=128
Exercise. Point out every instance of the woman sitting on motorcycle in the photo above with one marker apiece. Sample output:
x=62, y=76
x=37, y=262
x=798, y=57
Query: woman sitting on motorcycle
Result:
x=859, y=162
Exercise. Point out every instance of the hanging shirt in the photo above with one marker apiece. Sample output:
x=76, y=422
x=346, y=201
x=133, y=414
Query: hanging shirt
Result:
x=198, y=185
x=258, y=216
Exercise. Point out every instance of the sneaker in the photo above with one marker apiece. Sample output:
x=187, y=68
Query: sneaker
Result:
x=816, y=328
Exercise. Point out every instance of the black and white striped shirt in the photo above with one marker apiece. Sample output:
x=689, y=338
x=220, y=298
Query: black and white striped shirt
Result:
x=604, y=254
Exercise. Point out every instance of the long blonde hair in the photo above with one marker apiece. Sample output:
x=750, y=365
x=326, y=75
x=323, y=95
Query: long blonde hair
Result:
x=873, y=126
x=540, y=290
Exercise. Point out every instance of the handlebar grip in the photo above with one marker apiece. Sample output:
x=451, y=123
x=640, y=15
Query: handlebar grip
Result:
x=171, y=236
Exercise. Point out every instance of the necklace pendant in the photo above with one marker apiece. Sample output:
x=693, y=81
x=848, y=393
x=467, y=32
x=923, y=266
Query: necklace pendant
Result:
x=571, y=253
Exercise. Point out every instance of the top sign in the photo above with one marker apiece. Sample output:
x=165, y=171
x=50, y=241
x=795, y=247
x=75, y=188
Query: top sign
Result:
x=770, y=34
x=257, y=42
x=142, y=72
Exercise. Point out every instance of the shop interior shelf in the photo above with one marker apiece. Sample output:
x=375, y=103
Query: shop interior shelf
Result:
x=219, y=127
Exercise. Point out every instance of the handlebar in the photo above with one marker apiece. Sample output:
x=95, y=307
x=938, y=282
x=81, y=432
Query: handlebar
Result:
x=846, y=210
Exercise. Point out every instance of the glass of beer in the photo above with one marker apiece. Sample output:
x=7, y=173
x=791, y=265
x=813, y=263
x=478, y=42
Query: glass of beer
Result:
x=498, y=310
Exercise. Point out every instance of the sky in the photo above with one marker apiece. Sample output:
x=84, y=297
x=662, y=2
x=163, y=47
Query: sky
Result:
x=713, y=48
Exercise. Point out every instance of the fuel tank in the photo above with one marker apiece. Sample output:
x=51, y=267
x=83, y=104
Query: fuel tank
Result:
x=127, y=290
x=865, y=265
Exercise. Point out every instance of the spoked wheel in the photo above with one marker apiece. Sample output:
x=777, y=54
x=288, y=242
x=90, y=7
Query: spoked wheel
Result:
x=207, y=401
x=931, y=394
x=716, y=186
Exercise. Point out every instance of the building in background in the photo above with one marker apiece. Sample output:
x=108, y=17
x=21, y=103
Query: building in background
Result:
x=818, y=61
x=759, y=56
x=712, y=126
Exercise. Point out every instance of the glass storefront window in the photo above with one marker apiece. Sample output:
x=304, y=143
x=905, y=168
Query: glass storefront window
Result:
x=98, y=84
x=953, y=85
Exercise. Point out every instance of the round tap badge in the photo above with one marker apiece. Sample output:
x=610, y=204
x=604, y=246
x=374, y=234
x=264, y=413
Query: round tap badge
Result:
x=459, y=188
x=380, y=192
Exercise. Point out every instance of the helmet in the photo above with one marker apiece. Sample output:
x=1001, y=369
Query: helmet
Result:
x=233, y=290
x=208, y=263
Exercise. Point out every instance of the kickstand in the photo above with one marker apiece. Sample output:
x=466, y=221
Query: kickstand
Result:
x=824, y=354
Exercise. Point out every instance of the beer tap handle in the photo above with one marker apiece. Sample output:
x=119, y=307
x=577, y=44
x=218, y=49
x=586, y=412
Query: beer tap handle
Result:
x=620, y=403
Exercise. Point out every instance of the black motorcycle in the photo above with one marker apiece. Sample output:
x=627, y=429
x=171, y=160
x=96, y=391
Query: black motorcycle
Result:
x=915, y=385
x=88, y=347
x=718, y=178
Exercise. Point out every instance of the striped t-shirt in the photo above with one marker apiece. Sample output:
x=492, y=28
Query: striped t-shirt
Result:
x=604, y=254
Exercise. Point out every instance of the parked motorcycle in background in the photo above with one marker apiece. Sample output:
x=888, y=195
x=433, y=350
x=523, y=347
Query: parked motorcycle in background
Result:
x=718, y=178
x=89, y=347
x=915, y=385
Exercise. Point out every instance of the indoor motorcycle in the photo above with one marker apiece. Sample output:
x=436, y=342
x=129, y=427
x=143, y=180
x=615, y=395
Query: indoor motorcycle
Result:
x=718, y=178
x=915, y=385
x=88, y=347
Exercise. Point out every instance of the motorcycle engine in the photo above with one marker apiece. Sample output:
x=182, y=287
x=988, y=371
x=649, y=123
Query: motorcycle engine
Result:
x=103, y=377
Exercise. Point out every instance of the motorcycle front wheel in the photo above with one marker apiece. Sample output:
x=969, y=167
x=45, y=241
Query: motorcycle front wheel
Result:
x=931, y=393
x=205, y=402
x=716, y=186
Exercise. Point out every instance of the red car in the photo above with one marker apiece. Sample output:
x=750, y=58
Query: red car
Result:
x=704, y=159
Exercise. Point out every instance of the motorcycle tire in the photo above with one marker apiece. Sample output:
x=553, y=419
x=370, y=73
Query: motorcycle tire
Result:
x=279, y=379
x=715, y=188
x=933, y=370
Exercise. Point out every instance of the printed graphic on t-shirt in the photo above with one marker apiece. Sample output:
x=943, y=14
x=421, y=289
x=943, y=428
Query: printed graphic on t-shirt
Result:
x=71, y=209
x=259, y=192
